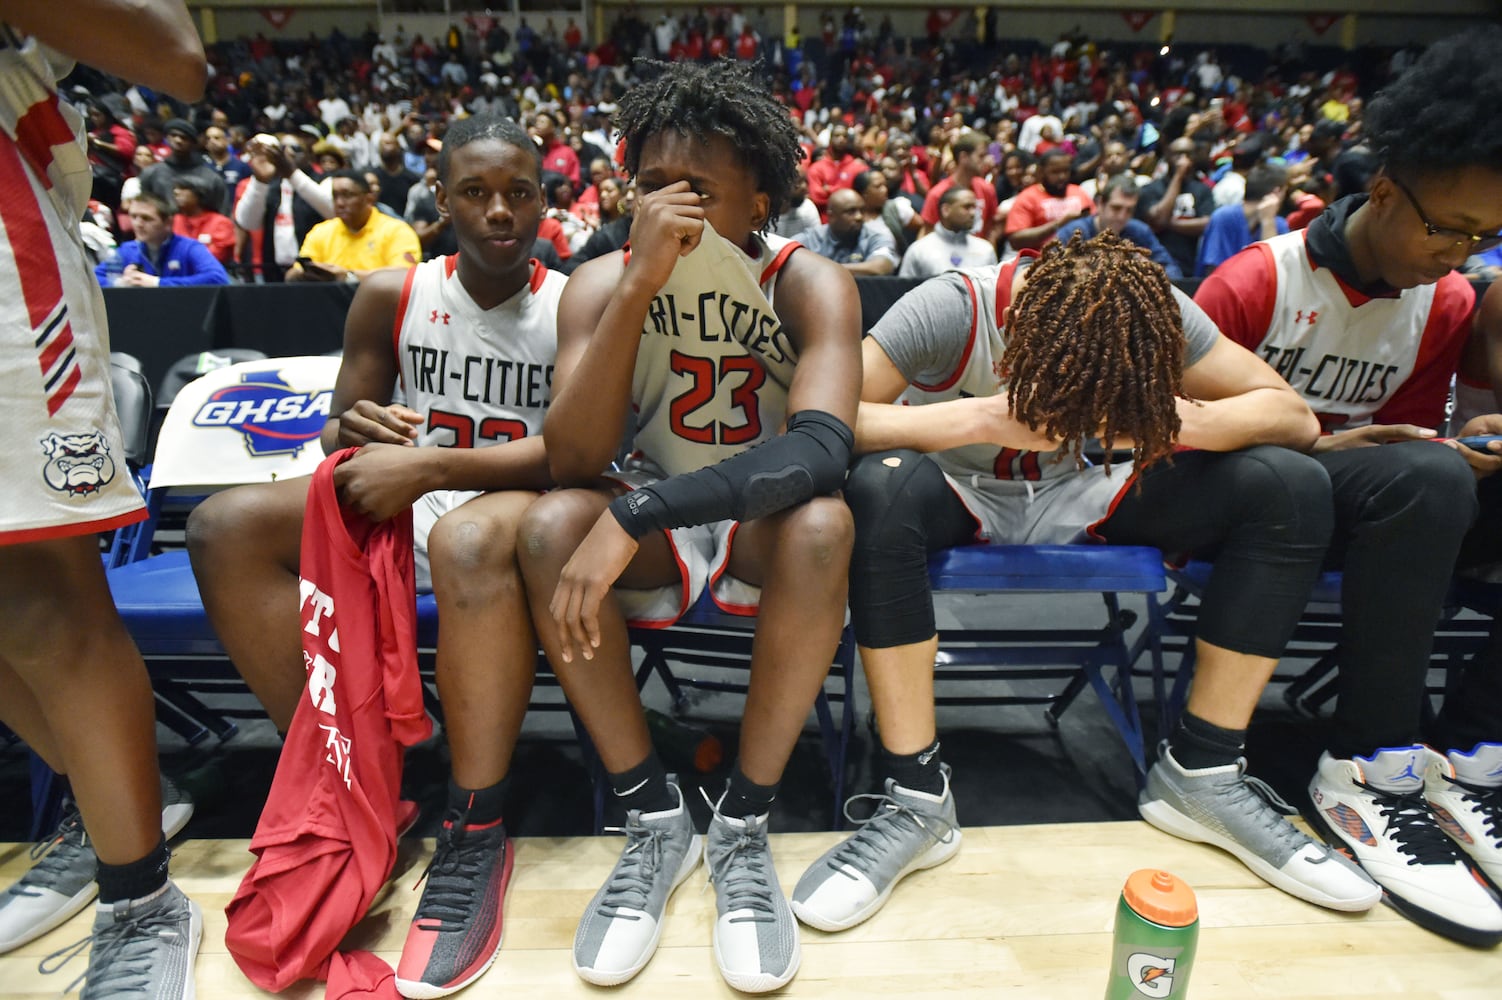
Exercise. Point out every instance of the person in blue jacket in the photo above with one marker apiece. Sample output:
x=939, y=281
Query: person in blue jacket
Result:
x=1116, y=205
x=157, y=256
x=1235, y=227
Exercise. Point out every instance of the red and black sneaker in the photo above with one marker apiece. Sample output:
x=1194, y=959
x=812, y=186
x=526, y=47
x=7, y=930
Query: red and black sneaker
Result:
x=456, y=932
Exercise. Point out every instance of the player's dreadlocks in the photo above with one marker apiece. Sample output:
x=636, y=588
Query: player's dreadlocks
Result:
x=1095, y=348
x=724, y=98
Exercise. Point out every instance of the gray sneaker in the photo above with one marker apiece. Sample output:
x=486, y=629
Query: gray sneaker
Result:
x=142, y=949
x=619, y=931
x=1227, y=808
x=755, y=937
x=909, y=831
x=59, y=885
x=62, y=881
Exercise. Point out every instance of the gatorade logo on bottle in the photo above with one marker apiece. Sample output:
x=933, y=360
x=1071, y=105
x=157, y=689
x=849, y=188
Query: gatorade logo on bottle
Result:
x=1151, y=975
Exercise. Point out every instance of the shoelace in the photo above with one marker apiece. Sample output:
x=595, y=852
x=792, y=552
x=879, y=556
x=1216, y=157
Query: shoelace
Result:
x=54, y=856
x=741, y=873
x=1266, y=807
x=1486, y=801
x=1412, y=826
x=454, y=873
x=123, y=952
x=631, y=882
x=891, y=822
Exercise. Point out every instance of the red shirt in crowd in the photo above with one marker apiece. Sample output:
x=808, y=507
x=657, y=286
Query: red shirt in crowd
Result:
x=213, y=230
x=984, y=193
x=1035, y=206
x=827, y=175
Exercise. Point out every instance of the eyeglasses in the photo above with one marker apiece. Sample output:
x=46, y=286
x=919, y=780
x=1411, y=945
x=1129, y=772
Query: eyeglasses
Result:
x=1443, y=237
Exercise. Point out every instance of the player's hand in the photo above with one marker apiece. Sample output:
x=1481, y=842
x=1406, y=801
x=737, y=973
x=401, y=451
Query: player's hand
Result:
x=1483, y=463
x=587, y=577
x=1267, y=208
x=369, y=422
x=668, y=224
x=382, y=480
x=1365, y=437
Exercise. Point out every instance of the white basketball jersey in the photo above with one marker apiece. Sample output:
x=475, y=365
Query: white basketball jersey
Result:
x=979, y=374
x=478, y=376
x=714, y=363
x=1345, y=362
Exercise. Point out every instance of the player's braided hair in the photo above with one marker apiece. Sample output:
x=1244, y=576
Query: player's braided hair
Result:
x=1095, y=348
x=724, y=98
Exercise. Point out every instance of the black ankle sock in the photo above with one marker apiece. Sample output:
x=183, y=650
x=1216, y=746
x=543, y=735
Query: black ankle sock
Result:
x=744, y=797
x=483, y=804
x=136, y=878
x=644, y=787
x=916, y=771
x=1198, y=744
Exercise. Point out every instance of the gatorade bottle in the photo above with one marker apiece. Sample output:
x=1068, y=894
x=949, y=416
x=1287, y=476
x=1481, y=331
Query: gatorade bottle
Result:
x=684, y=746
x=1157, y=925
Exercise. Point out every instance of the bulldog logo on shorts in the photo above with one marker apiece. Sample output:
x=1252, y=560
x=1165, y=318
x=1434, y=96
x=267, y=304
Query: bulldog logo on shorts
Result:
x=78, y=465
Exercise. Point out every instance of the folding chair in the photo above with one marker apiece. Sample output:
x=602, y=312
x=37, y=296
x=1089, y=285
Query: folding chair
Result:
x=1079, y=654
x=708, y=638
x=252, y=422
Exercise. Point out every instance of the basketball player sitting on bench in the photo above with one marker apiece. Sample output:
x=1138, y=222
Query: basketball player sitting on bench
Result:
x=739, y=361
x=490, y=302
x=980, y=387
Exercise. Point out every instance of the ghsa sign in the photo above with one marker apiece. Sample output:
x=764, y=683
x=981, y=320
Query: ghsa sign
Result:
x=252, y=422
x=275, y=418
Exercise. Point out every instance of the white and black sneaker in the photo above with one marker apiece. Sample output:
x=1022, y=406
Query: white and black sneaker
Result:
x=139, y=948
x=1375, y=807
x=1465, y=793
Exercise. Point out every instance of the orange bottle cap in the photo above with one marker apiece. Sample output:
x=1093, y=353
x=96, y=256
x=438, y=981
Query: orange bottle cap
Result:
x=1160, y=897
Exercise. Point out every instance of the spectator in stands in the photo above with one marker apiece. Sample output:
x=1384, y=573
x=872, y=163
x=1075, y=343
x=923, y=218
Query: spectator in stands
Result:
x=967, y=150
x=1115, y=206
x=433, y=228
x=112, y=148
x=1041, y=210
x=1237, y=226
x=587, y=205
x=1115, y=161
x=1178, y=205
x=158, y=256
x=911, y=181
x=280, y=202
x=616, y=200
x=230, y=168
x=396, y=180
x=980, y=388
x=897, y=214
x=184, y=159
x=1363, y=315
x=950, y=245
x=862, y=247
x=357, y=240
x=835, y=169
x=213, y=229
x=140, y=160
x=1230, y=189
x=557, y=155
x=329, y=157
x=800, y=213
x=1310, y=196
x=559, y=191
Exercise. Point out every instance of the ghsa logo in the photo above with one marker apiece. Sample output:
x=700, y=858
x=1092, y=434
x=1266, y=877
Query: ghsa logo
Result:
x=77, y=464
x=275, y=418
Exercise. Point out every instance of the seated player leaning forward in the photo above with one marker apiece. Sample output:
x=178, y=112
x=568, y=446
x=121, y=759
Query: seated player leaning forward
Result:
x=488, y=309
x=980, y=388
x=714, y=336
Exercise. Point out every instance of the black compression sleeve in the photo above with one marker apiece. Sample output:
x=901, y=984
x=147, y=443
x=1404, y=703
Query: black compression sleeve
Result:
x=808, y=461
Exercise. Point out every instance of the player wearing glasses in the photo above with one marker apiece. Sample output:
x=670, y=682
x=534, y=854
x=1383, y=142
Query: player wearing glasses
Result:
x=1365, y=316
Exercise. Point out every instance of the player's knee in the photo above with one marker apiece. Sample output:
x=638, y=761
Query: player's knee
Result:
x=555, y=525
x=821, y=531
x=1286, y=491
x=882, y=501
x=1432, y=487
x=465, y=547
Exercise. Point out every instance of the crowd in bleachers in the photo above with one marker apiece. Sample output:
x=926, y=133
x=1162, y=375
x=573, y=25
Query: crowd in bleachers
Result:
x=1187, y=125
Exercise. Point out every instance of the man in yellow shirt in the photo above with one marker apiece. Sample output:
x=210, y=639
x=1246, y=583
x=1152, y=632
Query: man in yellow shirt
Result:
x=357, y=240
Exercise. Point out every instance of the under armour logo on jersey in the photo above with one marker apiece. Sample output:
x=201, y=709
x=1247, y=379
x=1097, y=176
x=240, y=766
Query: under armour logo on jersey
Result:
x=1313, y=315
x=433, y=317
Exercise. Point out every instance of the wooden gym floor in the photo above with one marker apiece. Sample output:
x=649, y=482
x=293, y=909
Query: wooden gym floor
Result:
x=1022, y=911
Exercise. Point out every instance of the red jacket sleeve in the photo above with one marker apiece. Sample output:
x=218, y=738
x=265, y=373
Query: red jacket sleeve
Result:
x=1421, y=399
x=1239, y=295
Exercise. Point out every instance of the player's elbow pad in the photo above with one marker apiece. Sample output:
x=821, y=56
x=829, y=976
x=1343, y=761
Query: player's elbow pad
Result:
x=808, y=461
